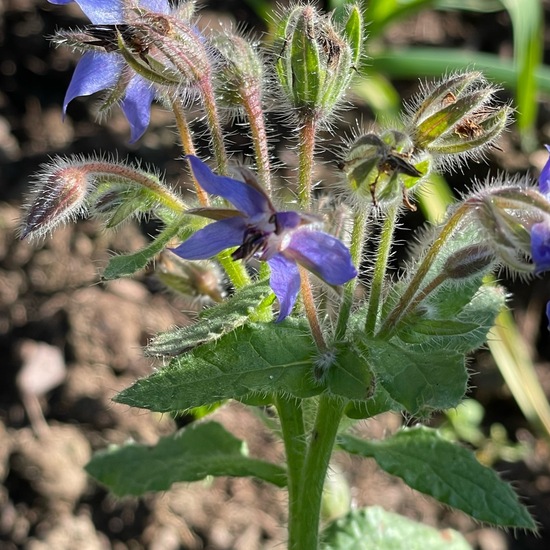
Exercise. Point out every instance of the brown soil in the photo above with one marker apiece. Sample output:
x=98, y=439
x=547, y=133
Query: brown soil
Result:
x=75, y=342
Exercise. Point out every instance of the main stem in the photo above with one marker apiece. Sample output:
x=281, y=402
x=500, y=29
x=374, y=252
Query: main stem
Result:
x=306, y=511
x=294, y=437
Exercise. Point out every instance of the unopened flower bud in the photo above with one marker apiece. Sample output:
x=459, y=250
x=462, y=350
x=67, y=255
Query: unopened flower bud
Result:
x=468, y=262
x=241, y=73
x=382, y=169
x=316, y=60
x=59, y=196
x=517, y=223
x=198, y=279
x=457, y=115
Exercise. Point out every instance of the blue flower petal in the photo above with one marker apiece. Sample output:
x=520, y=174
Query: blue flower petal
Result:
x=137, y=105
x=244, y=197
x=540, y=246
x=157, y=6
x=95, y=71
x=212, y=239
x=544, y=179
x=322, y=254
x=285, y=282
x=548, y=314
x=99, y=11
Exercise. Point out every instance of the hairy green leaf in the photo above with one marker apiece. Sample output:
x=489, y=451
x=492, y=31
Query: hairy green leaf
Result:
x=449, y=473
x=190, y=455
x=213, y=322
x=373, y=527
x=254, y=359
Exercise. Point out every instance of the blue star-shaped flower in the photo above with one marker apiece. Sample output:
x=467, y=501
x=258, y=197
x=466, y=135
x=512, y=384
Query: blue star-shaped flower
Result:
x=98, y=70
x=282, y=239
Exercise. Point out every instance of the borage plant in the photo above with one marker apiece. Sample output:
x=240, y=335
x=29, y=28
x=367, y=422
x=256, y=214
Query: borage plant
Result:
x=347, y=341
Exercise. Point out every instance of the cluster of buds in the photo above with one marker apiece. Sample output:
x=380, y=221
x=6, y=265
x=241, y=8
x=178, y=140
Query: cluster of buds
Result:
x=451, y=120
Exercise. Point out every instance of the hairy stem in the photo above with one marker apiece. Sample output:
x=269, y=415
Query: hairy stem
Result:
x=422, y=271
x=356, y=252
x=213, y=120
x=310, y=309
x=380, y=268
x=188, y=146
x=320, y=447
x=293, y=431
x=306, y=151
x=253, y=107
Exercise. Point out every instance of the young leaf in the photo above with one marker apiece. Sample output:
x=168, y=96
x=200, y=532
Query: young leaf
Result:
x=213, y=323
x=124, y=266
x=189, y=455
x=449, y=473
x=350, y=376
x=373, y=527
x=255, y=359
x=463, y=332
x=420, y=380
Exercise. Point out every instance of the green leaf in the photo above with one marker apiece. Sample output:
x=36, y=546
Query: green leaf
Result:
x=375, y=528
x=464, y=332
x=214, y=322
x=190, y=455
x=350, y=376
x=420, y=380
x=449, y=473
x=257, y=358
x=124, y=266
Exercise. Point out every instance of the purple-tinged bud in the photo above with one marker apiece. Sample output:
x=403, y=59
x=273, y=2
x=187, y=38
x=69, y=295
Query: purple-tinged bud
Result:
x=468, y=262
x=457, y=116
x=200, y=280
x=517, y=225
x=316, y=60
x=383, y=169
x=59, y=196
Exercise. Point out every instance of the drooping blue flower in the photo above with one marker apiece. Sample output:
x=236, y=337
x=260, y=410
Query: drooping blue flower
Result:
x=98, y=70
x=540, y=232
x=283, y=239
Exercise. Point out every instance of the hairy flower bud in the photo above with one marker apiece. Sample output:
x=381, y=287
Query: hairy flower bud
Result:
x=198, y=280
x=382, y=169
x=241, y=74
x=468, y=262
x=457, y=115
x=316, y=59
x=517, y=223
x=59, y=196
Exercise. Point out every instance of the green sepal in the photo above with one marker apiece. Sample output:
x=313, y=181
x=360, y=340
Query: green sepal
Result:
x=455, y=85
x=255, y=359
x=442, y=121
x=127, y=265
x=447, y=472
x=213, y=322
x=378, y=529
x=192, y=454
x=484, y=132
x=353, y=31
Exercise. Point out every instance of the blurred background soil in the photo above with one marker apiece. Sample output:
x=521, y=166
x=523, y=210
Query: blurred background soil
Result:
x=68, y=343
